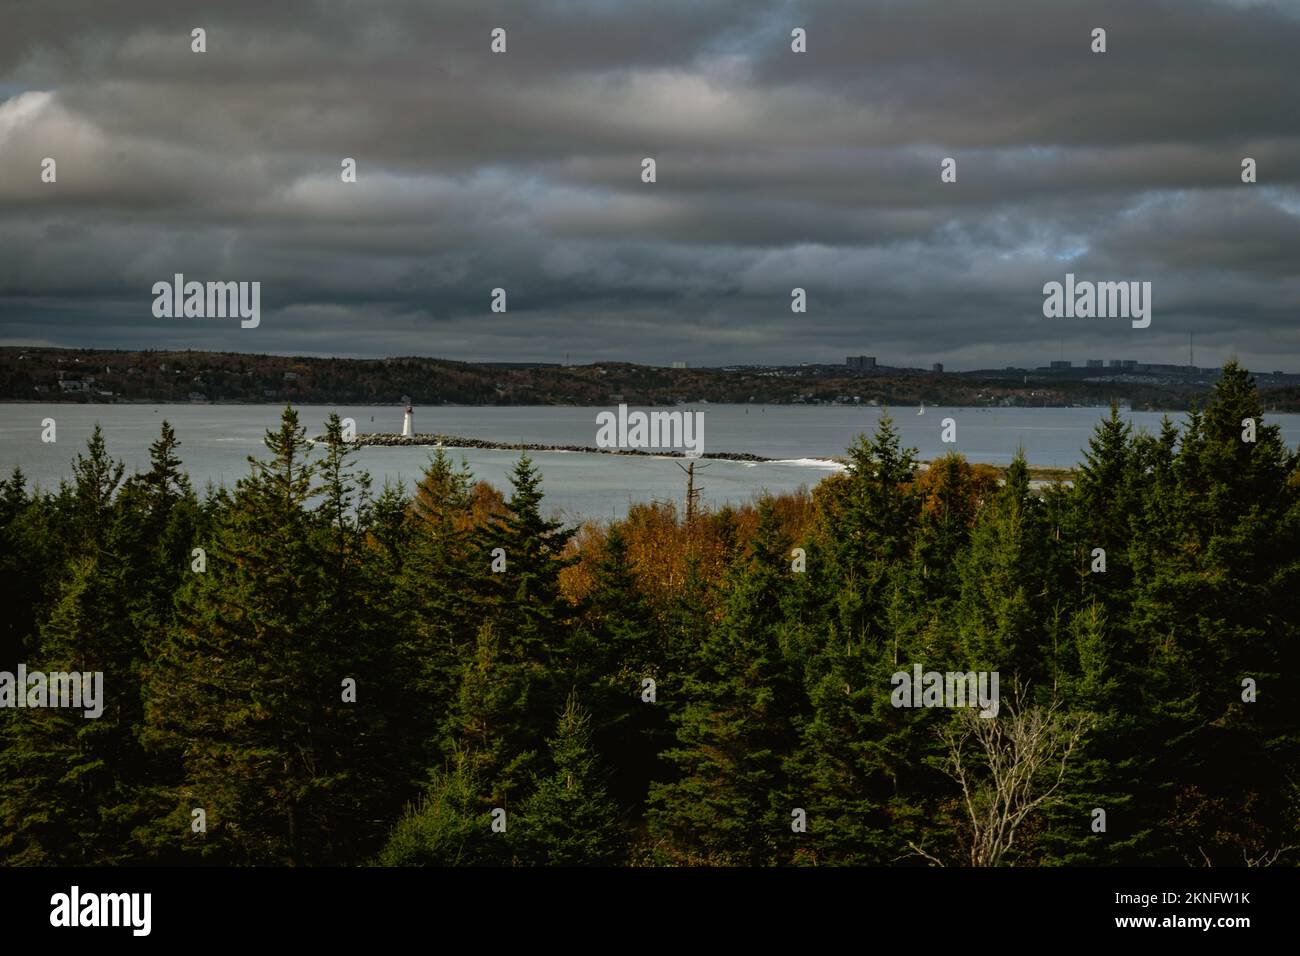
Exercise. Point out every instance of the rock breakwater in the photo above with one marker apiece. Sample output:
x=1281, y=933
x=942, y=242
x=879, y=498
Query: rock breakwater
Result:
x=458, y=441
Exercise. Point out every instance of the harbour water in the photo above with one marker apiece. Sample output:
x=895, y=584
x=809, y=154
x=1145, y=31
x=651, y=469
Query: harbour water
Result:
x=217, y=439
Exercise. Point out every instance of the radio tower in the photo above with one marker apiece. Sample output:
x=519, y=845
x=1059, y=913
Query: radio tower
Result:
x=408, y=421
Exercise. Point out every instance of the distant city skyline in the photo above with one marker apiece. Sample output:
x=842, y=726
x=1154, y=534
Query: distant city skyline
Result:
x=775, y=171
x=849, y=364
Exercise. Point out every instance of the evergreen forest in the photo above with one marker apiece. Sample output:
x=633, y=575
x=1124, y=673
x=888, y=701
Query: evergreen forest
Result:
x=307, y=670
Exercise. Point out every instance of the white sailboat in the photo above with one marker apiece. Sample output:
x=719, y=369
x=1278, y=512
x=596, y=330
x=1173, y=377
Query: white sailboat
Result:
x=921, y=410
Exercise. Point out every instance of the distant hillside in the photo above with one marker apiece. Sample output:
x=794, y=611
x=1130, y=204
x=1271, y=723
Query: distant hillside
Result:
x=70, y=375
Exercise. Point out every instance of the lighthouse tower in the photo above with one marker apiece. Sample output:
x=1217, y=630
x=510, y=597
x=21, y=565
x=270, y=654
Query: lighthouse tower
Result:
x=408, y=423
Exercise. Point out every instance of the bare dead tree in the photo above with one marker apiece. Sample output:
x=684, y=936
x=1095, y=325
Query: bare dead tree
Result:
x=1265, y=858
x=1007, y=767
x=692, y=492
x=1261, y=859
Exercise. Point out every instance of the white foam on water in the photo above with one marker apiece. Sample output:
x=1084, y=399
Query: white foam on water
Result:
x=825, y=463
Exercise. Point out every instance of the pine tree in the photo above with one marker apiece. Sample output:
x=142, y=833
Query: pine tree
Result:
x=1105, y=506
x=91, y=770
x=952, y=492
x=31, y=559
x=491, y=719
x=241, y=680
x=436, y=590
x=607, y=657
x=66, y=779
x=737, y=728
x=570, y=819
x=529, y=619
x=525, y=599
x=358, y=738
x=866, y=529
x=997, y=616
x=96, y=477
x=1220, y=607
x=447, y=825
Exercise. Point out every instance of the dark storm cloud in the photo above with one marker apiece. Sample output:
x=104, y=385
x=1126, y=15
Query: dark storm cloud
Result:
x=775, y=170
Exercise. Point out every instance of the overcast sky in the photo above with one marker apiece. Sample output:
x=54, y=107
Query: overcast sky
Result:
x=775, y=169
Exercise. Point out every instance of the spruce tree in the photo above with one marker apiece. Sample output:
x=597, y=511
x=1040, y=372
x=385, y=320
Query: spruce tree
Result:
x=66, y=779
x=728, y=806
x=525, y=599
x=96, y=477
x=866, y=529
x=434, y=603
x=240, y=681
x=448, y=825
x=490, y=721
x=570, y=818
x=607, y=658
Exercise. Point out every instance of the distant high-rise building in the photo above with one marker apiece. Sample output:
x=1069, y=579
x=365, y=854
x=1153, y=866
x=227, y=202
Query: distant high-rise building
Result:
x=936, y=367
x=1096, y=363
x=1061, y=363
x=679, y=365
x=1116, y=363
x=1130, y=363
x=860, y=361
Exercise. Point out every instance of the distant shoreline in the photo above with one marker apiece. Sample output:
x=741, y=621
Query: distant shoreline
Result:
x=396, y=408
x=244, y=378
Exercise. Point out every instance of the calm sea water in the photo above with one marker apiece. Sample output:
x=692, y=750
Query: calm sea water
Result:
x=216, y=440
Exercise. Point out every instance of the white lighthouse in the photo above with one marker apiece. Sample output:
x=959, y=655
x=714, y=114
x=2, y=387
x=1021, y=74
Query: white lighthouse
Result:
x=408, y=422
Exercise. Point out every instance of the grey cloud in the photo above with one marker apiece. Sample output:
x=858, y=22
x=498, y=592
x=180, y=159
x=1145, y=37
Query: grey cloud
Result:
x=819, y=170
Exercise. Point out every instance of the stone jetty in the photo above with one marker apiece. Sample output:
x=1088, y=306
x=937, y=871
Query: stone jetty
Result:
x=457, y=441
